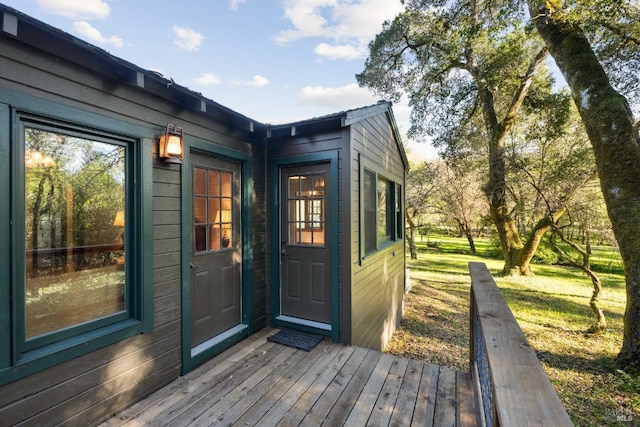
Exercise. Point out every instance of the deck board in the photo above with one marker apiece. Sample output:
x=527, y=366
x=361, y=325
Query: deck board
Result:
x=258, y=382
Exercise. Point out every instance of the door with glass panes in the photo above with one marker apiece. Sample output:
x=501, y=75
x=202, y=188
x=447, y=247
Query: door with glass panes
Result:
x=305, y=259
x=216, y=248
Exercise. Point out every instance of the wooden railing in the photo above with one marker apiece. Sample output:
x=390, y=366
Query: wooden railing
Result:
x=512, y=388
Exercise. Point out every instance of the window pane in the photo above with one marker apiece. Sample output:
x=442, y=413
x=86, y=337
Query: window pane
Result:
x=294, y=187
x=318, y=185
x=306, y=185
x=201, y=238
x=226, y=236
x=399, y=217
x=214, y=244
x=200, y=210
x=294, y=233
x=199, y=181
x=214, y=183
x=369, y=197
x=226, y=184
x=214, y=211
x=225, y=211
x=75, y=236
x=384, y=210
x=306, y=210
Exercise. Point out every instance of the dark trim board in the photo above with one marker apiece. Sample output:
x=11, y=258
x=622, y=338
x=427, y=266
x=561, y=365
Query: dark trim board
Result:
x=205, y=351
x=274, y=177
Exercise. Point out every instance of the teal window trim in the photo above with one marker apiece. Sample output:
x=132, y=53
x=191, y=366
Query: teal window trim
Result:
x=397, y=184
x=201, y=146
x=274, y=180
x=18, y=357
x=5, y=230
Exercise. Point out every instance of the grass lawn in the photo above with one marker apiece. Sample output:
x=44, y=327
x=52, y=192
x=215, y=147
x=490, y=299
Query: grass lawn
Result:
x=553, y=311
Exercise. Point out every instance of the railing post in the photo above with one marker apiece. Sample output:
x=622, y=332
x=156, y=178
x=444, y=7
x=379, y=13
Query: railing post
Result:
x=512, y=387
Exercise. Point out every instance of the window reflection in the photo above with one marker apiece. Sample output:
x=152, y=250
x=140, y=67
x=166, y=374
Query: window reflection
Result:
x=74, y=230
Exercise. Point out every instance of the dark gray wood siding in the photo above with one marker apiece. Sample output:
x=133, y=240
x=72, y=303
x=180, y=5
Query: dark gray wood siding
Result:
x=260, y=242
x=92, y=387
x=377, y=282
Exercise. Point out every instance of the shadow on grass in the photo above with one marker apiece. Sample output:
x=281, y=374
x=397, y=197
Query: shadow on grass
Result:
x=435, y=326
x=558, y=303
x=572, y=362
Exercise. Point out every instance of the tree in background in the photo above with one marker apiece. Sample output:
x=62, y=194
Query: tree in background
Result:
x=459, y=195
x=457, y=61
x=582, y=44
x=420, y=186
x=549, y=160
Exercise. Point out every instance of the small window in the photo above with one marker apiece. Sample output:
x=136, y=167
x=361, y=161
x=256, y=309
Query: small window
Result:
x=212, y=206
x=385, y=212
x=305, y=210
x=381, y=218
x=399, y=212
x=369, y=197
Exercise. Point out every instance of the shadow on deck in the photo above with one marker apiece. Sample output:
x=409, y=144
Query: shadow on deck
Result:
x=258, y=382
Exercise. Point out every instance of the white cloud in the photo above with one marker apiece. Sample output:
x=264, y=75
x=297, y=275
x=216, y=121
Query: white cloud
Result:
x=207, y=79
x=77, y=9
x=233, y=4
x=344, y=51
x=256, y=81
x=338, y=98
x=93, y=34
x=187, y=38
x=345, y=22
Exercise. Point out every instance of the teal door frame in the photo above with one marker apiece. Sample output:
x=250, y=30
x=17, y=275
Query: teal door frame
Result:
x=191, y=358
x=275, y=165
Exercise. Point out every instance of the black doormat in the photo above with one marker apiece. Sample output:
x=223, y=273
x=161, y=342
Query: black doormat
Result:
x=297, y=339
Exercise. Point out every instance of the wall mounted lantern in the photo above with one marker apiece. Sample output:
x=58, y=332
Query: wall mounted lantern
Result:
x=171, y=146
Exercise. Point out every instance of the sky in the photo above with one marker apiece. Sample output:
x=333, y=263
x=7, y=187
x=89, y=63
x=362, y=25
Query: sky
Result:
x=275, y=61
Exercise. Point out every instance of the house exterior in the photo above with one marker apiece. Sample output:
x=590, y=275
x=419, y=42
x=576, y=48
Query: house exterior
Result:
x=121, y=270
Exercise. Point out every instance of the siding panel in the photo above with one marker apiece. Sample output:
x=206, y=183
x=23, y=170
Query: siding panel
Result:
x=377, y=284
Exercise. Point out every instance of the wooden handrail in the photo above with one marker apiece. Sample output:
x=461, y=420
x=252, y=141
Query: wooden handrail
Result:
x=512, y=387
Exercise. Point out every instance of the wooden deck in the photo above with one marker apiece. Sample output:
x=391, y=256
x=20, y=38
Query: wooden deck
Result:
x=261, y=383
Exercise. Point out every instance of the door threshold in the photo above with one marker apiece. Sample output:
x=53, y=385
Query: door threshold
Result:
x=305, y=322
x=213, y=342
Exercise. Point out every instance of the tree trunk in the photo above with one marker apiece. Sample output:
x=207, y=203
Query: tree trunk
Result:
x=412, y=237
x=601, y=322
x=616, y=145
x=472, y=244
x=465, y=230
x=531, y=246
x=496, y=189
x=412, y=242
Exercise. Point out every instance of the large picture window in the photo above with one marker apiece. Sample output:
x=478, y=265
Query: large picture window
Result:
x=381, y=211
x=74, y=236
x=78, y=235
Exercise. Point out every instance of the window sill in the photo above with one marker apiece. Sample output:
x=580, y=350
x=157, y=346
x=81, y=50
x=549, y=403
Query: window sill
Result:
x=394, y=247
